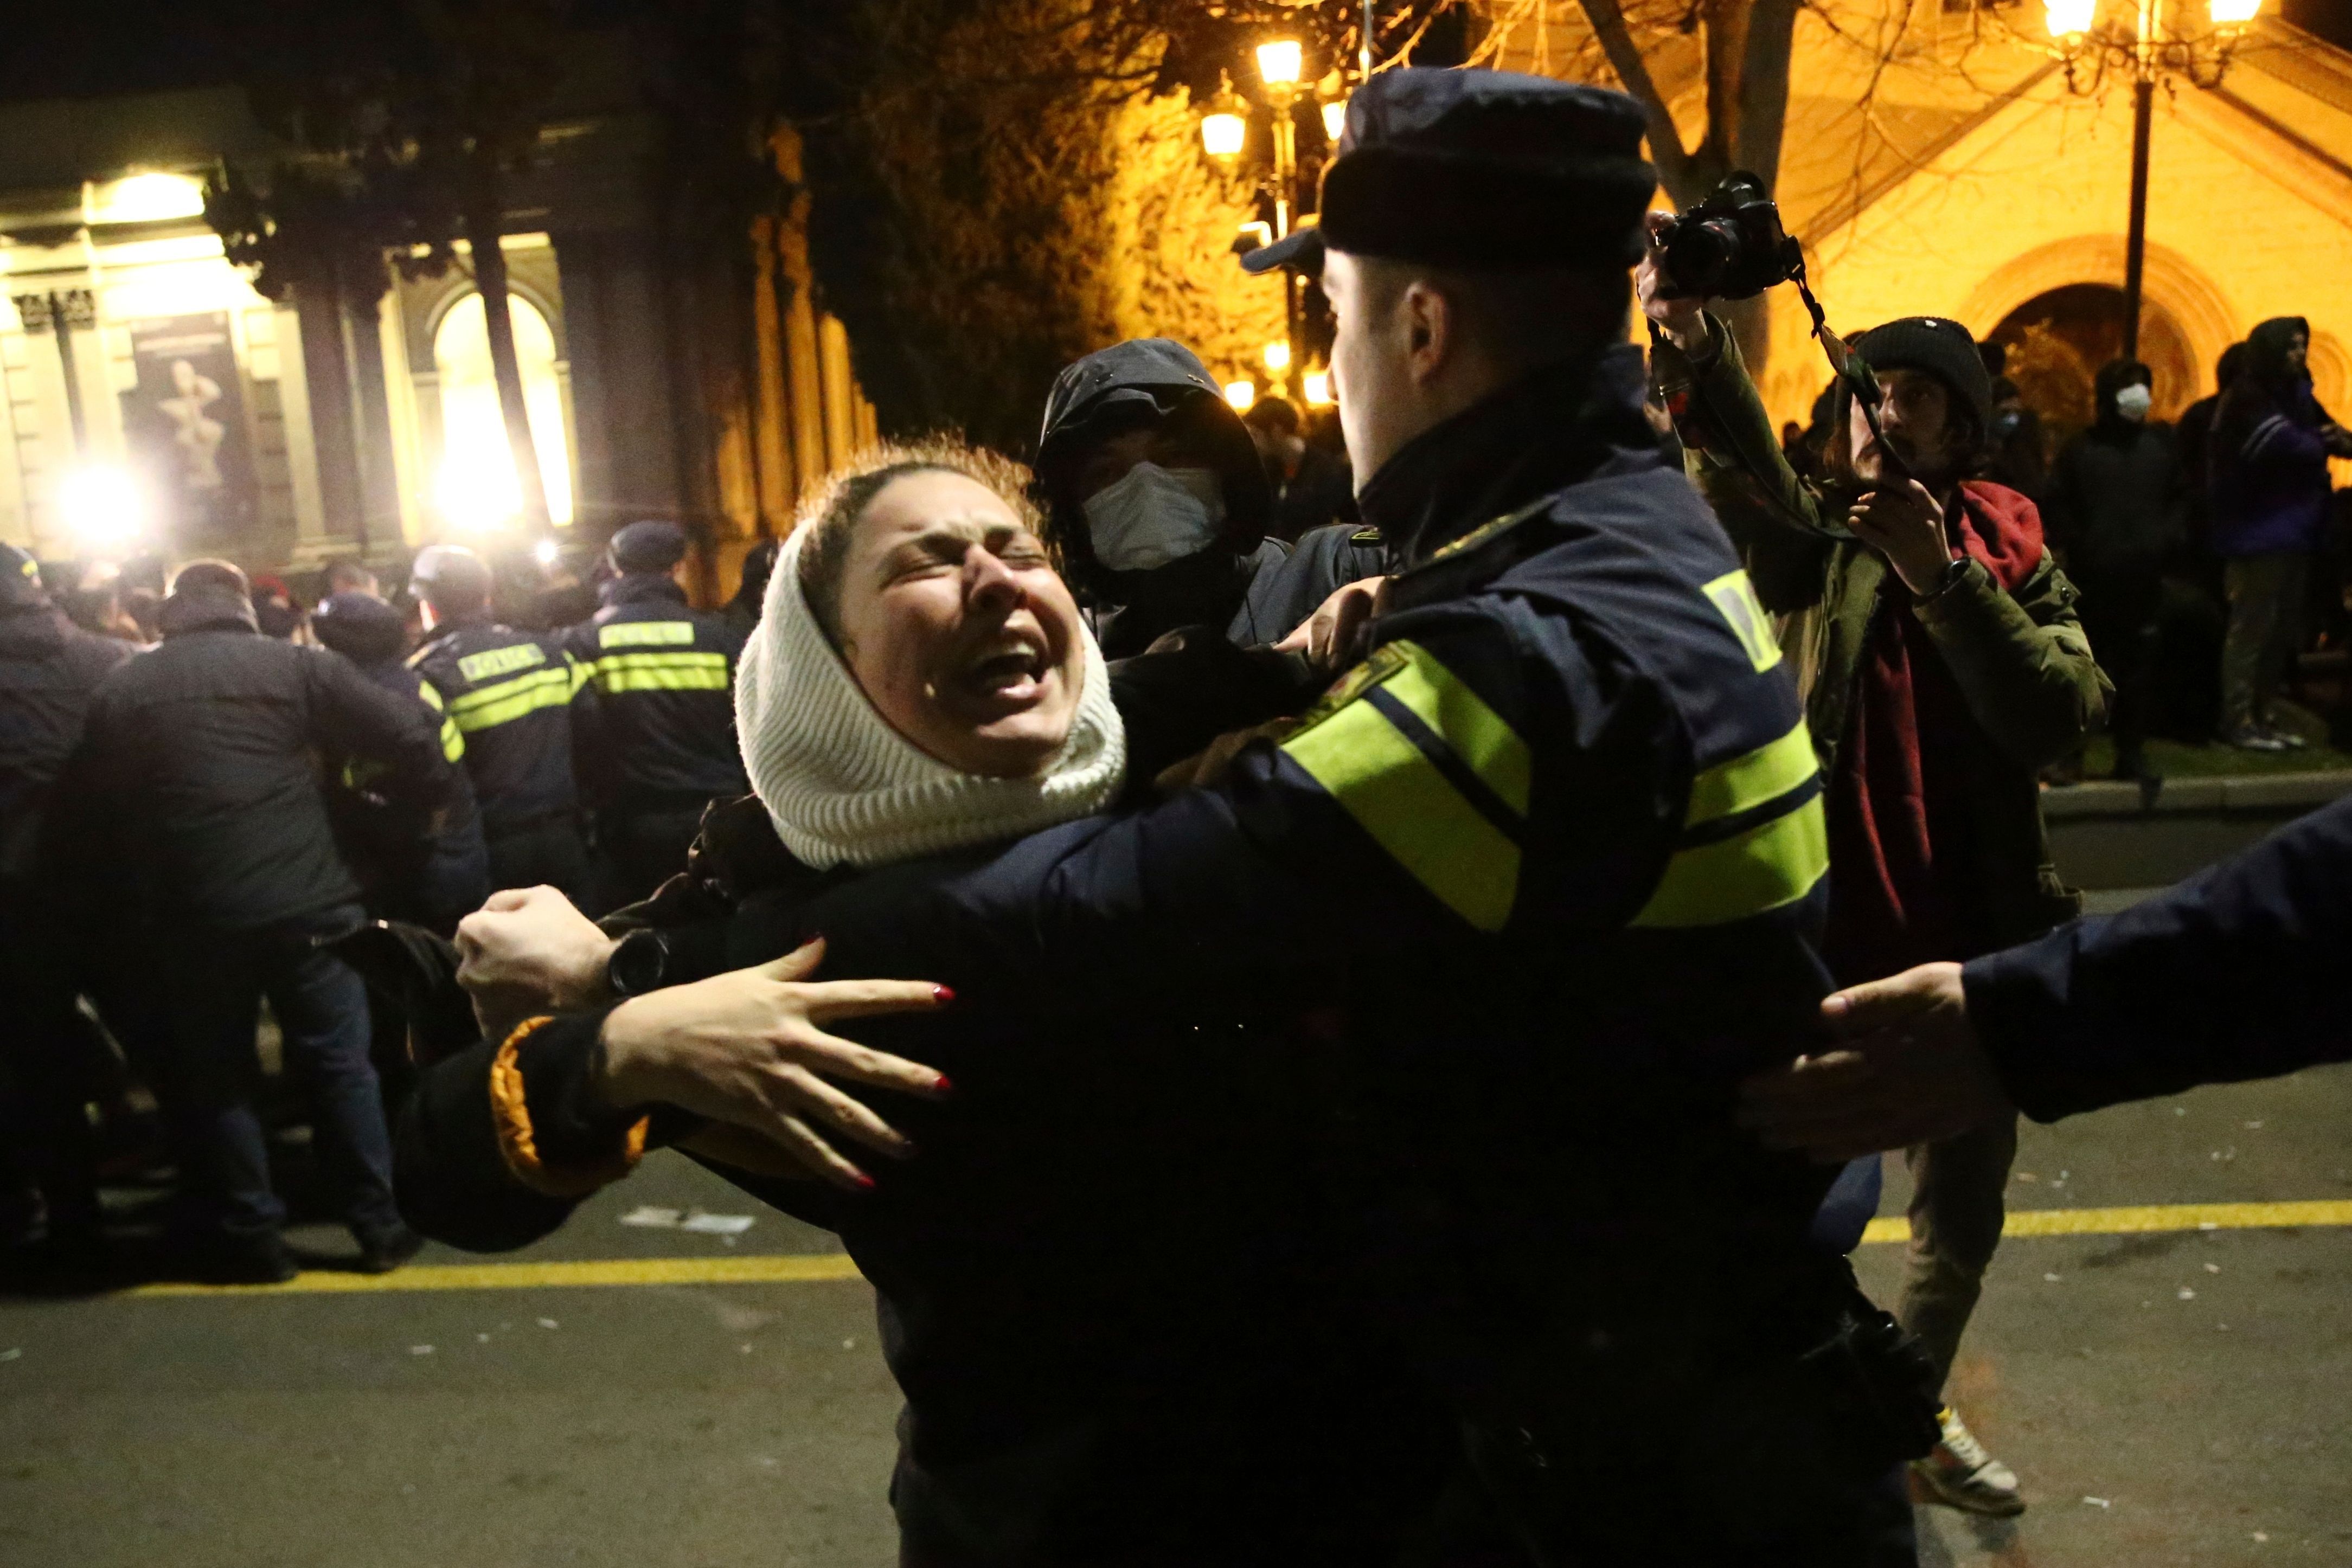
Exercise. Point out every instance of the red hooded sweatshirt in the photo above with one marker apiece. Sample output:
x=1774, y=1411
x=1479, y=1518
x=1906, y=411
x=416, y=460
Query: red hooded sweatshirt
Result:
x=1903, y=888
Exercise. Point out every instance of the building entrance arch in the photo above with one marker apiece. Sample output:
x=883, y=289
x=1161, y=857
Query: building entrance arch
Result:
x=2054, y=344
x=475, y=487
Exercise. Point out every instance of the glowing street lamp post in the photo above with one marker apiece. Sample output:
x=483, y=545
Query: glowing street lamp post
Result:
x=1224, y=132
x=2152, y=51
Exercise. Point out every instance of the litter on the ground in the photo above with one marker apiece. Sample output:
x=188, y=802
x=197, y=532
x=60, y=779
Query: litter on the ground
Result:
x=2186, y=1294
x=12, y=1352
x=652, y=1217
x=2052, y=1278
x=2213, y=1268
x=716, y=1224
x=547, y=1323
x=2098, y=1503
x=420, y=1350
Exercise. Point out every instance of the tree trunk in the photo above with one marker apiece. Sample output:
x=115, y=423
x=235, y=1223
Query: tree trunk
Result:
x=490, y=277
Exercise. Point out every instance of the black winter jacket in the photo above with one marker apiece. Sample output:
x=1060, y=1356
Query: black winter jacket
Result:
x=197, y=787
x=48, y=668
x=2117, y=498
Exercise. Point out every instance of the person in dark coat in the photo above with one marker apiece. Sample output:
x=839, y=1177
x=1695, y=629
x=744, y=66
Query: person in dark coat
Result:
x=743, y=610
x=1157, y=501
x=429, y=871
x=2116, y=508
x=2269, y=455
x=49, y=669
x=199, y=833
x=1312, y=486
x=653, y=726
x=1107, y=1284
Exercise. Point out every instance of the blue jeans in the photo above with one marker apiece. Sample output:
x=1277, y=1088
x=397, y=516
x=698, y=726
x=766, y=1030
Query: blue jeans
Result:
x=209, y=1072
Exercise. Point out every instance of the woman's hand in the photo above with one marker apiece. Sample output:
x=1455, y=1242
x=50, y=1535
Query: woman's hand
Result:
x=528, y=952
x=1904, y=523
x=747, y=1050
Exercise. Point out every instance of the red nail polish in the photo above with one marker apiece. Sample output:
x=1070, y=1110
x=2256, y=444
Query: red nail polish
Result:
x=865, y=1181
x=939, y=1086
x=943, y=995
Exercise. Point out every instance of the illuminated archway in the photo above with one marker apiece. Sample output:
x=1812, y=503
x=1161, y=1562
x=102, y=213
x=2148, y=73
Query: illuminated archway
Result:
x=475, y=488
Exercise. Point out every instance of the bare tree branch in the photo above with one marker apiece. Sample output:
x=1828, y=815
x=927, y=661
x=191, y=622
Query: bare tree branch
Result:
x=1608, y=20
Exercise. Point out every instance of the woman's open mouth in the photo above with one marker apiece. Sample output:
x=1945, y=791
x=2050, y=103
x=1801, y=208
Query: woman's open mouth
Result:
x=1015, y=673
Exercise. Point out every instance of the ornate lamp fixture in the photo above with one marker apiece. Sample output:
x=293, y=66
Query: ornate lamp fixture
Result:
x=2154, y=43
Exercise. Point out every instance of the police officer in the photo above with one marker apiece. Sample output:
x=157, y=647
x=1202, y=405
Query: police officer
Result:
x=508, y=695
x=1555, y=847
x=433, y=871
x=657, y=718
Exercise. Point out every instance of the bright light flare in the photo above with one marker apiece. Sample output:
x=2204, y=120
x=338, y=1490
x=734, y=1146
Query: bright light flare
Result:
x=1277, y=356
x=104, y=506
x=1224, y=134
x=545, y=552
x=1317, y=385
x=476, y=491
x=1239, y=395
x=1280, y=63
x=2235, y=13
x=2072, y=18
x=1335, y=119
x=146, y=199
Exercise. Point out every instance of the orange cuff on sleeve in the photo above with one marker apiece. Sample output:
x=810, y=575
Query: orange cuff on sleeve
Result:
x=510, y=1113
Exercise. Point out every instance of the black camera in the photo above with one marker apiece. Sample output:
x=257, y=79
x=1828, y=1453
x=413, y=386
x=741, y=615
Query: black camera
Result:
x=1728, y=247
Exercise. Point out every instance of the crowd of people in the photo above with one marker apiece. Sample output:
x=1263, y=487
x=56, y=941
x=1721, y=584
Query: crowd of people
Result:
x=1342, y=956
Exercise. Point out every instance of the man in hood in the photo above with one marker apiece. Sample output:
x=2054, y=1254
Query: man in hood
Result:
x=48, y=668
x=1159, y=504
x=2268, y=456
x=1944, y=667
x=2117, y=507
x=196, y=795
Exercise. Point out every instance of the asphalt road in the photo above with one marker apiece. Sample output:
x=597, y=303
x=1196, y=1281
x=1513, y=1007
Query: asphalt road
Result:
x=2193, y=1382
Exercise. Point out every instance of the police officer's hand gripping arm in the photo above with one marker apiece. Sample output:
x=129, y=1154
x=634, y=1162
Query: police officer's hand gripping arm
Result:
x=353, y=717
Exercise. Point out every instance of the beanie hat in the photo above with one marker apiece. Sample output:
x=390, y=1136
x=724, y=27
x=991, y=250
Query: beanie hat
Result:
x=1942, y=348
x=845, y=788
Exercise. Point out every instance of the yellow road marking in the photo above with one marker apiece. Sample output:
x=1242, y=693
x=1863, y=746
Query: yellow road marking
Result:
x=793, y=1267
x=2152, y=1216
x=771, y=1269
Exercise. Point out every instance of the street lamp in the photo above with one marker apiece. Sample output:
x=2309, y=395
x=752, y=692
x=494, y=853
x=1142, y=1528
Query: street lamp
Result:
x=1225, y=129
x=2153, y=47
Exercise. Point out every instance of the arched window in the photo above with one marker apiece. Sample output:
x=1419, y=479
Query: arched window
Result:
x=476, y=488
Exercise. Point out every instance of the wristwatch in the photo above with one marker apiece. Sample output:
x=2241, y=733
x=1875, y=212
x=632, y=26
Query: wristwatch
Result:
x=1944, y=584
x=637, y=964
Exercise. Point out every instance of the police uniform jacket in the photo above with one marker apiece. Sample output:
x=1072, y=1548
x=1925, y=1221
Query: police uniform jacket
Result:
x=507, y=694
x=656, y=725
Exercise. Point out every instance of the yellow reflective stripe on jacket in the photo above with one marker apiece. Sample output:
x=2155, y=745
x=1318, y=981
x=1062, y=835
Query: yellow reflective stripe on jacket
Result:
x=453, y=742
x=618, y=673
x=511, y=700
x=1775, y=862
x=1734, y=597
x=1476, y=733
x=1731, y=876
x=1381, y=776
x=1749, y=781
x=505, y=660
x=645, y=634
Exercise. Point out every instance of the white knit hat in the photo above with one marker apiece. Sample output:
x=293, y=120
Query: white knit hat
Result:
x=843, y=788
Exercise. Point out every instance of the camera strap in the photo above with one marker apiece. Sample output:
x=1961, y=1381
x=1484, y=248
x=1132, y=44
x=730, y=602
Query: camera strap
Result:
x=1851, y=368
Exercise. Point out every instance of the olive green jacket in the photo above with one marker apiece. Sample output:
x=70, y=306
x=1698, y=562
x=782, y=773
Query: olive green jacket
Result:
x=2020, y=659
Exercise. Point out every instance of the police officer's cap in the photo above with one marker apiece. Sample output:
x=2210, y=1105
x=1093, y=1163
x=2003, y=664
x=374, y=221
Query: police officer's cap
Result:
x=359, y=624
x=649, y=545
x=1484, y=170
x=20, y=578
x=450, y=571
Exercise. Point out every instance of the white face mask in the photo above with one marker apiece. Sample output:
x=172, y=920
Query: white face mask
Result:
x=1153, y=516
x=2132, y=403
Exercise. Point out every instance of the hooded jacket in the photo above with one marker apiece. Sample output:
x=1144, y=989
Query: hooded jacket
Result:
x=196, y=789
x=2269, y=452
x=2117, y=498
x=1244, y=584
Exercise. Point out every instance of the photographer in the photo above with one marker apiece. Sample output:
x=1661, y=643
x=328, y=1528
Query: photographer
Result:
x=1942, y=665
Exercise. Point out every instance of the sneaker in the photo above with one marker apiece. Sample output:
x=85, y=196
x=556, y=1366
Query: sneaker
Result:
x=2288, y=740
x=1959, y=1473
x=382, y=1251
x=2246, y=738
